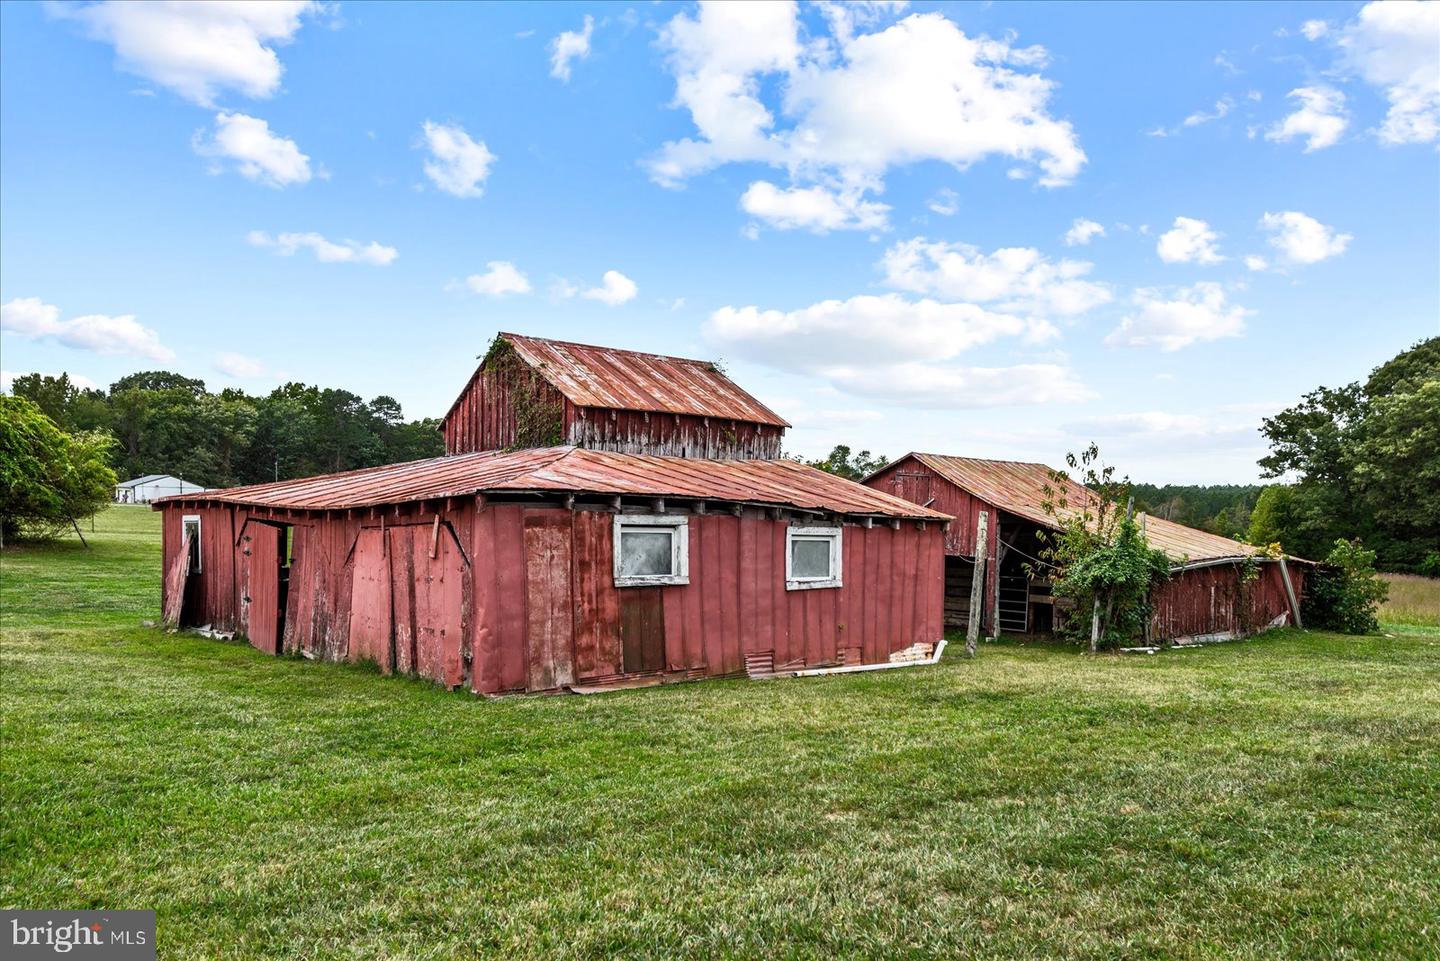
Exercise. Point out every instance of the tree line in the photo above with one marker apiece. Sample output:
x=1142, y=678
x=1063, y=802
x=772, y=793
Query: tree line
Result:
x=165, y=423
x=1364, y=460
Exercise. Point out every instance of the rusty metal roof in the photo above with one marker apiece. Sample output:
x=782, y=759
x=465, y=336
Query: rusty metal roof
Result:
x=626, y=380
x=779, y=483
x=1018, y=487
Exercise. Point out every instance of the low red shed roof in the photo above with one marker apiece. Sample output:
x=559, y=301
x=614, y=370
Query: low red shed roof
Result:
x=1019, y=488
x=780, y=483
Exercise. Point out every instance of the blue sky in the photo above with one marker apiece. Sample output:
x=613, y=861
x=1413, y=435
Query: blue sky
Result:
x=863, y=210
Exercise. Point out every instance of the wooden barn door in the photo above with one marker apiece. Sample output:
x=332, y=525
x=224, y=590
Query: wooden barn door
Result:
x=437, y=603
x=642, y=629
x=409, y=601
x=371, y=624
x=549, y=610
x=177, y=580
x=260, y=599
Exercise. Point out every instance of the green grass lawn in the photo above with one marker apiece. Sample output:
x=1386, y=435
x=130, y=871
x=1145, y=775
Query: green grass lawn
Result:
x=1269, y=798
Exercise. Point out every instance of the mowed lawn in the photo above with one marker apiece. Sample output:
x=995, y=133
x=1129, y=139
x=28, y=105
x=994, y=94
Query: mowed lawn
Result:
x=1269, y=798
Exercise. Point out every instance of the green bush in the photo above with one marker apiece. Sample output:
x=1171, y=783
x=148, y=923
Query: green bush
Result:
x=1345, y=594
x=1430, y=566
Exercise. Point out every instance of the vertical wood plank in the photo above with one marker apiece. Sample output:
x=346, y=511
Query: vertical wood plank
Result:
x=549, y=614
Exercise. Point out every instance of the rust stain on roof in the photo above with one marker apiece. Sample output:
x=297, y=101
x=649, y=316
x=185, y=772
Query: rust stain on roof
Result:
x=779, y=483
x=1019, y=488
x=627, y=380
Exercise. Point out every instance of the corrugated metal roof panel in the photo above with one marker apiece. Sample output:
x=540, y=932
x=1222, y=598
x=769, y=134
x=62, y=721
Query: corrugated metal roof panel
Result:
x=781, y=483
x=625, y=379
x=1019, y=487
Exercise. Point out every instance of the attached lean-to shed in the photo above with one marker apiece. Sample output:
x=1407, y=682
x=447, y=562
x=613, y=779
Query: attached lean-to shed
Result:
x=1204, y=598
x=556, y=568
x=533, y=392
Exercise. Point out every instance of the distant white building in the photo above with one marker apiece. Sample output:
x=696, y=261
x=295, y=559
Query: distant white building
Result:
x=143, y=490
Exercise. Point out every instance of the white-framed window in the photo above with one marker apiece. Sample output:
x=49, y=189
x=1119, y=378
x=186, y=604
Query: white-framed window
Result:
x=651, y=549
x=190, y=530
x=812, y=557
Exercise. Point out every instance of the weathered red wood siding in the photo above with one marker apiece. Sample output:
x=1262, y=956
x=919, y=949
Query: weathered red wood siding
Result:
x=736, y=603
x=484, y=418
x=901, y=480
x=670, y=435
x=523, y=598
x=1207, y=600
x=917, y=483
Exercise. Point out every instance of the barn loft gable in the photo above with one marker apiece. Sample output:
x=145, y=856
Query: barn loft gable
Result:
x=534, y=392
x=606, y=377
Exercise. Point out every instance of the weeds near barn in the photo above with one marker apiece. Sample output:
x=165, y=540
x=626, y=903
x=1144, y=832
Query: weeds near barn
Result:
x=1413, y=600
x=1269, y=798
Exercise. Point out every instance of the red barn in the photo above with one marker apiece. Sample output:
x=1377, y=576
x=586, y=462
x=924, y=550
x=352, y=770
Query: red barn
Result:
x=557, y=568
x=1204, y=598
x=531, y=392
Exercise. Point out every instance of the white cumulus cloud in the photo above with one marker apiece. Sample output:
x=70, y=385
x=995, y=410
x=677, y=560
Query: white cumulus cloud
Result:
x=1396, y=47
x=570, y=45
x=1178, y=318
x=893, y=348
x=615, y=289
x=500, y=278
x=1314, y=29
x=248, y=145
x=1189, y=241
x=946, y=202
x=1014, y=279
x=239, y=366
x=962, y=387
x=32, y=318
x=1320, y=118
x=816, y=209
x=1302, y=239
x=841, y=109
x=326, y=251
x=1083, y=231
x=458, y=164
x=197, y=49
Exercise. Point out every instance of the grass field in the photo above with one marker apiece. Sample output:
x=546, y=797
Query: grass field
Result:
x=1274, y=798
x=1413, y=600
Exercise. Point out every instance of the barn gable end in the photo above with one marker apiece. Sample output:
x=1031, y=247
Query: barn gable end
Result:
x=532, y=392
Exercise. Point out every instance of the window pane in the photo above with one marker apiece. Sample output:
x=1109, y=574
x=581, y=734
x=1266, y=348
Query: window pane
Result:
x=645, y=553
x=810, y=557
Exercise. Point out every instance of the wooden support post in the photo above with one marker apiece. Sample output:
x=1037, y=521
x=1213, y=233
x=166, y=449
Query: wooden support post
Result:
x=977, y=586
x=1095, y=626
x=435, y=538
x=78, y=534
x=1290, y=593
x=999, y=558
